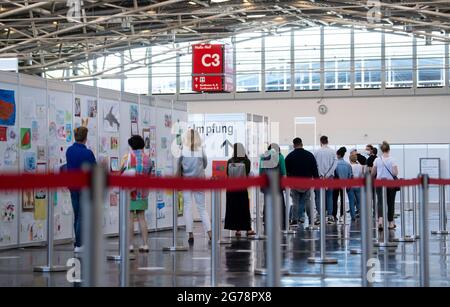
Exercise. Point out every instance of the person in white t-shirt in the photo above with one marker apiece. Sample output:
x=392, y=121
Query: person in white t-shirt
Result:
x=385, y=167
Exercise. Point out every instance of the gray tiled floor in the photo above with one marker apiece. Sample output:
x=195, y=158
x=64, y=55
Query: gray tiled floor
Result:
x=399, y=266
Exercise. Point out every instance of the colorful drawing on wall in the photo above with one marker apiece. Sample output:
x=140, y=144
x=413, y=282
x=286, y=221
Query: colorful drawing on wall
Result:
x=114, y=162
x=219, y=169
x=27, y=201
x=7, y=212
x=40, y=152
x=114, y=143
x=146, y=137
x=41, y=167
x=77, y=107
x=152, y=141
x=7, y=108
x=92, y=108
x=10, y=155
x=12, y=133
x=29, y=162
x=40, y=205
x=52, y=130
x=133, y=113
x=167, y=120
x=25, y=138
x=163, y=143
x=113, y=199
x=103, y=148
x=69, y=133
x=153, y=168
x=180, y=203
x=60, y=116
x=134, y=129
x=85, y=122
x=62, y=155
x=104, y=161
x=34, y=131
x=61, y=132
x=145, y=116
x=3, y=134
x=160, y=210
x=111, y=117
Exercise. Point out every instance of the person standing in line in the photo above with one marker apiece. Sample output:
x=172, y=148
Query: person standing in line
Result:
x=358, y=172
x=78, y=156
x=273, y=158
x=385, y=167
x=136, y=162
x=359, y=157
x=192, y=164
x=344, y=171
x=301, y=163
x=237, y=214
x=372, y=155
x=326, y=163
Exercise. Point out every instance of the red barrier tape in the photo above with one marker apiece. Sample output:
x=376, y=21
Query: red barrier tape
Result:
x=396, y=183
x=439, y=181
x=306, y=183
x=75, y=180
x=156, y=183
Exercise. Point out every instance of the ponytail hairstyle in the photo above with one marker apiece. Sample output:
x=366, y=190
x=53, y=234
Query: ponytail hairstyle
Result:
x=385, y=147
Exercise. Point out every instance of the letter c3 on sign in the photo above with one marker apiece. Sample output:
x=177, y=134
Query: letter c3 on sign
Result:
x=214, y=63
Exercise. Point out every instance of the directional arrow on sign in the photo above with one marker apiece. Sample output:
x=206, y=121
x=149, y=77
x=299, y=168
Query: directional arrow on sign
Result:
x=225, y=144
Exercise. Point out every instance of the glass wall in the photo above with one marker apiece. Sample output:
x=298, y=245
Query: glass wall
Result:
x=430, y=63
x=307, y=59
x=163, y=65
x=337, y=58
x=136, y=80
x=278, y=61
x=399, y=60
x=248, y=62
x=112, y=77
x=185, y=67
x=367, y=59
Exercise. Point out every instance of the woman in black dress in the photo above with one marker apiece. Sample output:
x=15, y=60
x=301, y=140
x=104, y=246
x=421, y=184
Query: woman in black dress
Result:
x=237, y=216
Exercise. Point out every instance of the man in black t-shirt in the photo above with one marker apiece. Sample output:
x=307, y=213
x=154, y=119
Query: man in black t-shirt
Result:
x=372, y=152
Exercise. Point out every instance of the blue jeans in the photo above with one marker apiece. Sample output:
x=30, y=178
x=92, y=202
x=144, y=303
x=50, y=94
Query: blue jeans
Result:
x=328, y=201
x=75, y=197
x=299, y=203
x=354, y=200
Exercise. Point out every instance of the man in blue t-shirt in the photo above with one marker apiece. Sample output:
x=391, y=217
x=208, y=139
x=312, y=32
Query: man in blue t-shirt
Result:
x=77, y=156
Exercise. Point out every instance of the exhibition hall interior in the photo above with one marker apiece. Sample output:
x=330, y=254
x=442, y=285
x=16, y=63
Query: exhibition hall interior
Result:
x=224, y=143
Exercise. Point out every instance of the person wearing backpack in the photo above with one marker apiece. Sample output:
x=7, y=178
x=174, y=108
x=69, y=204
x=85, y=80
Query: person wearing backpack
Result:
x=385, y=167
x=136, y=162
x=237, y=214
x=192, y=164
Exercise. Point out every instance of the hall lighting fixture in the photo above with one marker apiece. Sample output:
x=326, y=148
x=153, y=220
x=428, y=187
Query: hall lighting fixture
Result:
x=192, y=3
x=219, y=1
x=256, y=16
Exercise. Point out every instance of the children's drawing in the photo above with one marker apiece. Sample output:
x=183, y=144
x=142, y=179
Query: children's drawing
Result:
x=92, y=108
x=27, y=201
x=114, y=143
x=34, y=130
x=133, y=113
x=29, y=162
x=25, y=138
x=7, y=108
x=77, y=107
x=7, y=212
x=167, y=120
x=111, y=117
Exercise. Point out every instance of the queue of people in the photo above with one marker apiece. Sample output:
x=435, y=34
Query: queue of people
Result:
x=323, y=163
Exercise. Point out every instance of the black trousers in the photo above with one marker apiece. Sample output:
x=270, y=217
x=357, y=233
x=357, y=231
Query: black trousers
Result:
x=390, y=203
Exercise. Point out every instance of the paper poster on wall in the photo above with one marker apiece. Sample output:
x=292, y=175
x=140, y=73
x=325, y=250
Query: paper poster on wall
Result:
x=160, y=210
x=146, y=137
x=114, y=163
x=114, y=199
x=40, y=205
x=52, y=130
x=114, y=143
x=146, y=116
x=60, y=117
x=41, y=111
x=69, y=133
x=11, y=134
x=34, y=130
x=111, y=117
x=168, y=120
x=104, y=145
x=3, y=134
x=133, y=113
x=92, y=107
x=134, y=129
x=10, y=155
x=7, y=108
x=7, y=212
x=77, y=107
x=40, y=150
x=25, y=138
x=27, y=200
x=62, y=155
x=61, y=132
x=29, y=162
x=430, y=167
x=180, y=203
x=153, y=141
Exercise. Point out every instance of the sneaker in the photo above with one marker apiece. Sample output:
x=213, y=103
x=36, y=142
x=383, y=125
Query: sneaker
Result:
x=330, y=220
x=317, y=222
x=78, y=249
x=131, y=249
x=293, y=223
x=302, y=220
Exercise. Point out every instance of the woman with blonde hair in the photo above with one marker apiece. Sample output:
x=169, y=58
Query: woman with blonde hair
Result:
x=192, y=164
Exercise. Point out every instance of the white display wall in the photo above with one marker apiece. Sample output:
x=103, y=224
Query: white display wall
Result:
x=46, y=113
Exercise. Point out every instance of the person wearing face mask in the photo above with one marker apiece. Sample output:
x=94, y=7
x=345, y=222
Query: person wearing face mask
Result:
x=372, y=155
x=355, y=192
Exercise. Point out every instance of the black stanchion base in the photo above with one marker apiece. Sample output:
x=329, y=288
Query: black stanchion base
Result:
x=175, y=249
x=263, y=272
x=322, y=260
x=119, y=258
x=386, y=244
x=440, y=232
x=312, y=228
x=49, y=269
x=257, y=237
x=406, y=239
x=357, y=251
x=288, y=232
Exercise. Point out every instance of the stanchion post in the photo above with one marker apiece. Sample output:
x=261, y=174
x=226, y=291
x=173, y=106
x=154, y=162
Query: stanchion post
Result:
x=218, y=195
x=287, y=202
x=259, y=235
x=424, y=234
x=124, y=219
x=50, y=236
x=92, y=232
x=404, y=237
x=366, y=231
x=414, y=210
x=312, y=213
x=175, y=247
x=214, y=237
x=442, y=213
x=322, y=259
x=273, y=217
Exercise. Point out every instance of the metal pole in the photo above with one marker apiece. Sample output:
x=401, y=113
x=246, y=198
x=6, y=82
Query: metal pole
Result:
x=92, y=232
x=124, y=216
x=366, y=231
x=124, y=238
x=215, y=238
x=414, y=209
x=50, y=236
x=322, y=259
x=258, y=235
x=404, y=237
x=385, y=242
x=424, y=234
x=218, y=195
x=287, y=202
x=408, y=198
x=175, y=247
x=442, y=213
x=312, y=213
x=273, y=216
